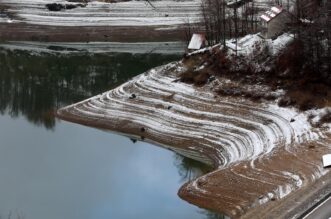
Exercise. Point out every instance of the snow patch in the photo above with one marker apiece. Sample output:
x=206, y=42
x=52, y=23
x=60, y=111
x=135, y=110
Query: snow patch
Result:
x=132, y=13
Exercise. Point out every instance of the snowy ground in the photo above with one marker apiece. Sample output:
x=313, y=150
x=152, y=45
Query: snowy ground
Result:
x=132, y=13
x=254, y=43
x=262, y=152
x=5, y=19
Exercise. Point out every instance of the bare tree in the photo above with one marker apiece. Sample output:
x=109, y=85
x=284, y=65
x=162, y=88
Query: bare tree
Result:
x=223, y=19
x=313, y=31
x=214, y=20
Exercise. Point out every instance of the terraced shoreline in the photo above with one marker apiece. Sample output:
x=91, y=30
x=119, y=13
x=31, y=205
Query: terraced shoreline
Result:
x=133, y=21
x=98, y=20
x=264, y=156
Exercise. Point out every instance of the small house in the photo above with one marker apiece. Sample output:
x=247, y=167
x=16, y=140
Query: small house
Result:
x=274, y=22
x=198, y=41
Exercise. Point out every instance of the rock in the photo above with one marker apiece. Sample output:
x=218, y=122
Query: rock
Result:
x=85, y=1
x=132, y=96
x=70, y=6
x=201, y=183
x=59, y=7
x=55, y=7
x=285, y=101
x=211, y=78
x=186, y=56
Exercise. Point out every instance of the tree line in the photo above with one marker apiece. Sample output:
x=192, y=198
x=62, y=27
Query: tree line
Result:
x=311, y=25
x=313, y=31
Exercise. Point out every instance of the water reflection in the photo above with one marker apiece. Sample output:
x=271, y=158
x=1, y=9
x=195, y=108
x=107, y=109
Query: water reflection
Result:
x=190, y=169
x=75, y=171
x=34, y=85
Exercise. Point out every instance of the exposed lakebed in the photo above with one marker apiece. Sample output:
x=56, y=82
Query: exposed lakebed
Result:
x=51, y=169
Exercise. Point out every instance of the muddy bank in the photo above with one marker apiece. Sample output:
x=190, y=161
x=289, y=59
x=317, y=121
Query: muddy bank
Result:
x=166, y=48
x=29, y=32
x=264, y=155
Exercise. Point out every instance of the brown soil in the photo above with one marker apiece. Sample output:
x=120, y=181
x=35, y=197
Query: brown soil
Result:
x=228, y=186
x=29, y=32
x=305, y=90
x=247, y=189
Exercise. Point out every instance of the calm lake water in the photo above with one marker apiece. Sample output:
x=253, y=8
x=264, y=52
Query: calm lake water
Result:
x=50, y=169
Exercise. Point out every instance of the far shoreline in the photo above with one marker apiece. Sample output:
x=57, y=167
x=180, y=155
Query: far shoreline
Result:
x=43, y=33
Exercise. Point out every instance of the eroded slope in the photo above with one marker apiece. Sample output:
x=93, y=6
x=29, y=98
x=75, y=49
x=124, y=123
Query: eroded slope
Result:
x=261, y=152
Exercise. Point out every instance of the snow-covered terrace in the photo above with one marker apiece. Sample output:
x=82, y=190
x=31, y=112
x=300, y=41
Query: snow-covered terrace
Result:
x=248, y=44
x=132, y=13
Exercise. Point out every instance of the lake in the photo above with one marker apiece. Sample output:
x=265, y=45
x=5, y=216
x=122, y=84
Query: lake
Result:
x=54, y=169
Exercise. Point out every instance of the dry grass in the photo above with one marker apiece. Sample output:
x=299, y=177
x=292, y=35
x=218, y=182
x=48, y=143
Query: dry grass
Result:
x=198, y=78
x=307, y=96
x=291, y=60
x=303, y=89
x=238, y=91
